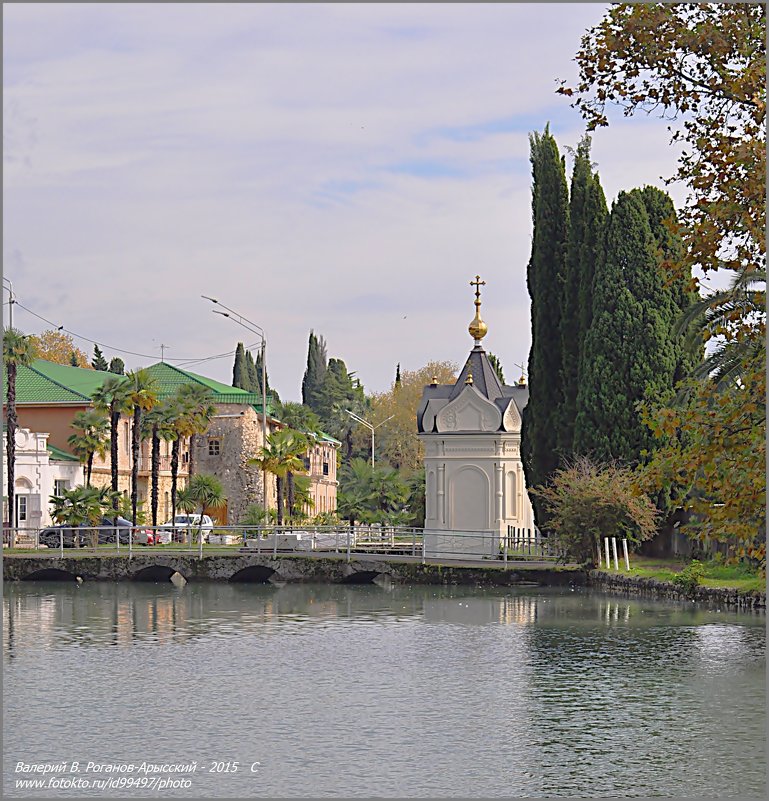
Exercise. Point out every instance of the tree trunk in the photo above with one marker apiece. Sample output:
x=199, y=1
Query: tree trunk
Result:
x=279, y=484
x=155, y=470
x=174, y=477
x=10, y=450
x=291, y=496
x=135, y=442
x=114, y=431
x=88, y=469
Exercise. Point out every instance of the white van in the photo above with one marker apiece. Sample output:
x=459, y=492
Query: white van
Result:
x=180, y=523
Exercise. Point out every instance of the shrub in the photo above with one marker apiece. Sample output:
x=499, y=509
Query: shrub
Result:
x=689, y=578
x=587, y=501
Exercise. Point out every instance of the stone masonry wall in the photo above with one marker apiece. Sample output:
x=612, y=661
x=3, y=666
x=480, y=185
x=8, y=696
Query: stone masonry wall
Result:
x=238, y=431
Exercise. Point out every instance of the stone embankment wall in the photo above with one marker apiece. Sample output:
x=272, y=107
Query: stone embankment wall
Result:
x=651, y=588
x=263, y=567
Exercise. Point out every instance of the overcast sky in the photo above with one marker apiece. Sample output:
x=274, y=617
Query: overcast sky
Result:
x=343, y=168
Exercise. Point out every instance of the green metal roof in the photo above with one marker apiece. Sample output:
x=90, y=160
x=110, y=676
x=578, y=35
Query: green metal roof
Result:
x=60, y=455
x=170, y=378
x=36, y=384
x=51, y=383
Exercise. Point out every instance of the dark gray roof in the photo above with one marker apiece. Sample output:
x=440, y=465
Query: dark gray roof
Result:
x=484, y=380
x=484, y=376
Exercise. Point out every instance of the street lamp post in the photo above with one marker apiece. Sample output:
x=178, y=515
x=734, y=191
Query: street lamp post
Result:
x=371, y=428
x=259, y=331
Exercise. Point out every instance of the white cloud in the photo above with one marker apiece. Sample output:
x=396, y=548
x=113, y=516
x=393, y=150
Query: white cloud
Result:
x=334, y=167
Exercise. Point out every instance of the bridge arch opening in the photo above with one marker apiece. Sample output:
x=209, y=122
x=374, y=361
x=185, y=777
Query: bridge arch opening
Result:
x=158, y=574
x=361, y=577
x=51, y=574
x=254, y=574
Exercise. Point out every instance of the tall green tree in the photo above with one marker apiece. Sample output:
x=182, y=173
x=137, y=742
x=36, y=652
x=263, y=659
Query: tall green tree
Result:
x=315, y=372
x=157, y=425
x=98, y=362
x=112, y=397
x=239, y=377
x=663, y=223
x=497, y=365
x=73, y=359
x=142, y=396
x=550, y=213
x=252, y=379
x=587, y=221
x=117, y=365
x=629, y=355
x=89, y=438
x=199, y=410
x=18, y=350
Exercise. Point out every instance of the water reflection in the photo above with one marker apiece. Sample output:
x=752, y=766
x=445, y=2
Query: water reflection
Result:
x=391, y=691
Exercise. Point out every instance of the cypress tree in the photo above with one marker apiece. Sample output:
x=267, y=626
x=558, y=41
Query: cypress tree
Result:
x=315, y=373
x=251, y=378
x=117, y=365
x=628, y=353
x=545, y=279
x=398, y=375
x=239, y=378
x=98, y=362
x=587, y=219
x=496, y=364
x=670, y=251
x=73, y=359
x=258, y=373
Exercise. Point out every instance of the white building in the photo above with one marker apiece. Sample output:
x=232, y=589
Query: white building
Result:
x=41, y=471
x=475, y=486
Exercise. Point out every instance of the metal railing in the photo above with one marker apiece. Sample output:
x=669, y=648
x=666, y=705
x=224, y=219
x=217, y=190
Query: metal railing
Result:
x=396, y=541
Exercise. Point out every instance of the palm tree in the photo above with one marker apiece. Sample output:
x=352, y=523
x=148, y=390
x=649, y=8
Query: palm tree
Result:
x=734, y=312
x=17, y=350
x=208, y=492
x=179, y=425
x=142, y=397
x=280, y=456
x=81, y=505
x=297, y=444
x=112, y=397
x=356, y=491
x=157, y=424
x=90, y=438
x=203, y=492
x=200, y=410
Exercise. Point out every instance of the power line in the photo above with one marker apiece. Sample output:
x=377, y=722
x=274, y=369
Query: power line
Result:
x=101, y=344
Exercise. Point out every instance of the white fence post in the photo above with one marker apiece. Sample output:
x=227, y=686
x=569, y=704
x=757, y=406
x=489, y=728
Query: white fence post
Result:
x=627, y=558
x=614, y=551
x=608, y=558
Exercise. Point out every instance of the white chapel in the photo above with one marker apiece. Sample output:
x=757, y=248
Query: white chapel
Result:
x=471, y=430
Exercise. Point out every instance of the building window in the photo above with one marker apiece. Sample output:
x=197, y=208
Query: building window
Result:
x=59, y=485
x=21, y=509
x=307, y=463
x=214, y=447
x=325, y=468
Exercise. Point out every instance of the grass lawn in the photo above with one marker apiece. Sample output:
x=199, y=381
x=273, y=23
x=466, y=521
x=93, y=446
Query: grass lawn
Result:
x=736, y=577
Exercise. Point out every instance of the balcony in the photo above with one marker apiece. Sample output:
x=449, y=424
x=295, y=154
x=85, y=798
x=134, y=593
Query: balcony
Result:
x=164, y=464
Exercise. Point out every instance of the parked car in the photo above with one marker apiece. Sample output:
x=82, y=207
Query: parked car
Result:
x=148, y=536
x=52, y=536
x=181, y=523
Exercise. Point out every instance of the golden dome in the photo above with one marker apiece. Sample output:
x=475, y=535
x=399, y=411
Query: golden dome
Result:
x=477, y=328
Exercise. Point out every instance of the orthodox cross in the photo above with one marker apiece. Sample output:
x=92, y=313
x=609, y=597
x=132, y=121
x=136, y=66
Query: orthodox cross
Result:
x=477, y=284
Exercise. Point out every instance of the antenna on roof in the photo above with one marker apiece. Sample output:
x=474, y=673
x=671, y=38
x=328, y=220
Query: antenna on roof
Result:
x=163, y=351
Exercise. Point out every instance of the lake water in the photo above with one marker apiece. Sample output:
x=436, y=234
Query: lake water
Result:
x=361, y=691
